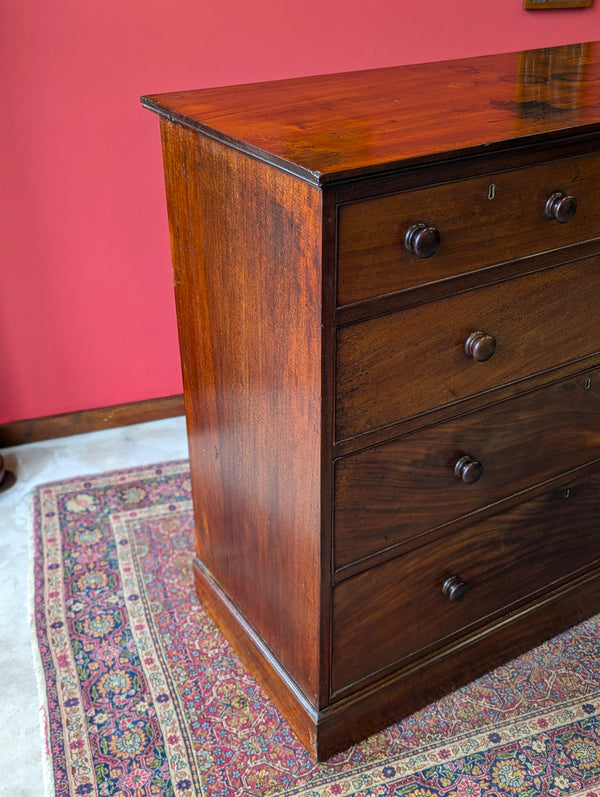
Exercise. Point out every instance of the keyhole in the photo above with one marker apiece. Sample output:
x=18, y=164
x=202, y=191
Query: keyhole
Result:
x=492, y=191
x=588, y=383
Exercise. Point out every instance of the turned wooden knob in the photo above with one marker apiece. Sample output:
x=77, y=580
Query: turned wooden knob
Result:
x=422, y=240
x=468, y=469
x=454, y=588
x=480, y=346
x=561, y=207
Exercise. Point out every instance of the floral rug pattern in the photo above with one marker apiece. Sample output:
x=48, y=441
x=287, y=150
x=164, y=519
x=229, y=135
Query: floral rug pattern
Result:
x=143, y=696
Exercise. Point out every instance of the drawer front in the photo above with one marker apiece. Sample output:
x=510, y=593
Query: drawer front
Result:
x=480, y=221
x=409, y=362
x=390, y=493
x=396, y=611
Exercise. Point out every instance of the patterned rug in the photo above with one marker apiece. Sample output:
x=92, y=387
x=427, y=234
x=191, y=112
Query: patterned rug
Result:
x=143, y=696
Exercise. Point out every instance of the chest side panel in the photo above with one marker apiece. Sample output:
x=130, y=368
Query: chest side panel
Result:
x=246, y=244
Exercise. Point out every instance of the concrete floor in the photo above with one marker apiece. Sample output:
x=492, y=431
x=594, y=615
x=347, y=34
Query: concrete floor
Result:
x=33, y=464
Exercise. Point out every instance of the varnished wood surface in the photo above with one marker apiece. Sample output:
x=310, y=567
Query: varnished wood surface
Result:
x=397, y=610
x=331, y=127
x=387, y=494
x=407, y=363
x=249, y=328
x=308, y=332
x=417, y=685
x=481, y=221
x=301, y=715
x=94, y=420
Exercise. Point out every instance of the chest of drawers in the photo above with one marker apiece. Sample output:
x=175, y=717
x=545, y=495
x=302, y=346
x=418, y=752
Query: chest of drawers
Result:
x=387, y=291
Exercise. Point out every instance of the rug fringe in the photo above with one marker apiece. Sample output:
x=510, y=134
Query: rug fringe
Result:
x=47, y=768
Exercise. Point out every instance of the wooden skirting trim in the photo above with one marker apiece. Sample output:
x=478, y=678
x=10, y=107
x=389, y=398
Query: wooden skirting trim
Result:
x=50, y=427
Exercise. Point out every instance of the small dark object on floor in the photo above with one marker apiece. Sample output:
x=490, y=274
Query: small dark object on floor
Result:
x=7, y=478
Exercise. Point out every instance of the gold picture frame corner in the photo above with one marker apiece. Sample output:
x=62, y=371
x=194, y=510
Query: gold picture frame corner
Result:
x=544, y=5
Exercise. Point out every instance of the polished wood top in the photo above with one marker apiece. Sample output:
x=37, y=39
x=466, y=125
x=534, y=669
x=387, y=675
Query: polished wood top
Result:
x=331, y=127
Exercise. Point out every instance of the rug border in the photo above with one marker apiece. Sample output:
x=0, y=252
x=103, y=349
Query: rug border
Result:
x=109, y=474
x=47, y=767
x=33, y=498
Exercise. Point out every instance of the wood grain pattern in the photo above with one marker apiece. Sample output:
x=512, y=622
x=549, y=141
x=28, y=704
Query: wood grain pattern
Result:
x=251, y=352
x=93, y=420
x=397, y=610
x=332, y=127
x=300, y=713
x=541, y=5
x=482, y=221
x=328, y=379
x=516, y=441
x=407, y=363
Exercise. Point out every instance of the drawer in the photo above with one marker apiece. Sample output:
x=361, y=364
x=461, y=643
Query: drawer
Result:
x=390, y=493
x=397, y=611
x=409, y=362
x=480, y=221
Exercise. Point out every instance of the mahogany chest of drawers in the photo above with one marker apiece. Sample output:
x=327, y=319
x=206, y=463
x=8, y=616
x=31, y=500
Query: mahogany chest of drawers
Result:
x=387, y=289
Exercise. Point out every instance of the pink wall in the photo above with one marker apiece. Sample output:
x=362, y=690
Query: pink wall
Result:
x=86, y=306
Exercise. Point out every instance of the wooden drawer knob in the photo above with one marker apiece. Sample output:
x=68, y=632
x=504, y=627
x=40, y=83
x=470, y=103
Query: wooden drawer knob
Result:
x=480, y=346
x=454, y=588
x=561, y=207
x=468, y=469
x=422, y=240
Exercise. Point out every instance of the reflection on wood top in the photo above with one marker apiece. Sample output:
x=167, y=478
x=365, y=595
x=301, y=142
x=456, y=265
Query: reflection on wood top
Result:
x=330, y=127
